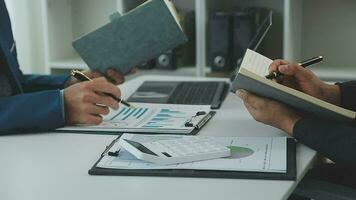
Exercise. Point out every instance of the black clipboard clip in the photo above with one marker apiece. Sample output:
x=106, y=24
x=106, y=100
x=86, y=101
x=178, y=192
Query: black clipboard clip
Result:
x=199, y=119
x=107, y=151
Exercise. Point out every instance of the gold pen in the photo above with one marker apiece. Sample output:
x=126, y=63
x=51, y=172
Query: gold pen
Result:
x=82, y=77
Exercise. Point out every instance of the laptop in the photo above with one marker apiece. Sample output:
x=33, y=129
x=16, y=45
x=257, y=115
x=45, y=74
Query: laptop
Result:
x=195, y=92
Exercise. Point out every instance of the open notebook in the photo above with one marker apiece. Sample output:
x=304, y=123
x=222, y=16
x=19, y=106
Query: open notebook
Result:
x=251, y=77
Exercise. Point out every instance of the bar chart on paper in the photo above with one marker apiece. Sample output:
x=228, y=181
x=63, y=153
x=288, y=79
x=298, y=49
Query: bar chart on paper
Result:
x=153, y=117
x=166, y=117
x=147, y=118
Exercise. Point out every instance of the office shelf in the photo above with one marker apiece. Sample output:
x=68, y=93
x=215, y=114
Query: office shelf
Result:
x=316, y=27
x=301, y=29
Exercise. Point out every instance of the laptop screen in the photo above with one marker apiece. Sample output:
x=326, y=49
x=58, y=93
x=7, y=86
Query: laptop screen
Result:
x=261, y=32
x=257, y=39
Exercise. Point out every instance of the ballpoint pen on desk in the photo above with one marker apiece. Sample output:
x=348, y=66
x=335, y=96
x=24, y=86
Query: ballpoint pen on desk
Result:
x=82, y=77
x=304, y=64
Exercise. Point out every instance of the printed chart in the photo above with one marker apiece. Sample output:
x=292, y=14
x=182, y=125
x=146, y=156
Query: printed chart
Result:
x=125, y=113
x=147, y=118
x=165, y=117
x=262, y=154
x=240, y=152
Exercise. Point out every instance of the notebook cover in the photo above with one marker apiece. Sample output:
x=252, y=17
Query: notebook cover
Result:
x=290, y=175
x=134, y=38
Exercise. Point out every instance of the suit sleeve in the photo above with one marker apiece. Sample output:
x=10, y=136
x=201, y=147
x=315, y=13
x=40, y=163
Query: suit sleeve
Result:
x=33, y=83
x=38, y=111
x=333, y=139
x=348, y=95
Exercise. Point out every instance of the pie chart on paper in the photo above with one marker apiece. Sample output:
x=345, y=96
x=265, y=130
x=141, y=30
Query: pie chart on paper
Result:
x=240, y=152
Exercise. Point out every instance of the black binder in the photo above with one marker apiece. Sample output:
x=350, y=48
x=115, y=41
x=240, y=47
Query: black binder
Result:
x=289, y=175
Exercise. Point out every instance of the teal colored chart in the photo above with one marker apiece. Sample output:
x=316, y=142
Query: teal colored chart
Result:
x=156, y=118
x=127, y=113
x=165, y=118
x=240, y=152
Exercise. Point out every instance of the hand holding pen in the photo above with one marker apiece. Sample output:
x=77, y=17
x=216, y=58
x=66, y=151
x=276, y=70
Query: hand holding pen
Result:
x=82, y=77
x=84, y=102
x=275, y=73
x=298, y=77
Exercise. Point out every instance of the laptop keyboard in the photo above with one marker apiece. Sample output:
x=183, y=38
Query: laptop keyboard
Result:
x=194, y=93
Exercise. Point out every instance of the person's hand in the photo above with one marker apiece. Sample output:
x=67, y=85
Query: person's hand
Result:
x=306, y=81
x=85, y=104
x=112, y=75
x=269, y=112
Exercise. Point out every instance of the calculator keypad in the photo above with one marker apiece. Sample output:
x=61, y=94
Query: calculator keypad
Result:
x=182, y=150
x=189, y=146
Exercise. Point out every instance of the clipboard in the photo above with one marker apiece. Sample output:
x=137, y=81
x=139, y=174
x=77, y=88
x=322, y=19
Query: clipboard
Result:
x=289, y=175
x=196, y=122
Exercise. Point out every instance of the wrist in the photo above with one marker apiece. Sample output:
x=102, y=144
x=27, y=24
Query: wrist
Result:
x=70, y=81
x=331, y=94
x=289, y=123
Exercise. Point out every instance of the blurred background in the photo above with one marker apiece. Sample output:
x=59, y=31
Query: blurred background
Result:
x=44, y=30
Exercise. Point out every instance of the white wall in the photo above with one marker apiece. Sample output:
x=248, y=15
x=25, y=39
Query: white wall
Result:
x=26, y=24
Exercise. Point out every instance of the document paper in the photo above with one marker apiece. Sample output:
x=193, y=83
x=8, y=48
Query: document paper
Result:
x=148, y=118
x=257, y=154
x=256, y=63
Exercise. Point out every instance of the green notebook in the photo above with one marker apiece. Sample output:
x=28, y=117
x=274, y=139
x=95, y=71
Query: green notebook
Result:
x=131, y=39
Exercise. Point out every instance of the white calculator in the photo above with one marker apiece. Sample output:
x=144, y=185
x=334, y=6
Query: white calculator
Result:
x=174, y=151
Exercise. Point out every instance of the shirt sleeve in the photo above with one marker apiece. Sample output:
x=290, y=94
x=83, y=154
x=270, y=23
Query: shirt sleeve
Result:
x=62, y=104
x=333, y=139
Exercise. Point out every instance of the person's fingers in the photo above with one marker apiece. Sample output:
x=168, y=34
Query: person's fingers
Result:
x=288, y=81
x=101, y=85
x=93, y=119
x=105, y=100
x=97, y=110
x=280, y=79
x=94, y=75
x=294, y=70
x=88, y=114
x=115, y=76
x=134, y=70
x=274, y=65
x=108, y=101
x=251, y=99
x=242, y=94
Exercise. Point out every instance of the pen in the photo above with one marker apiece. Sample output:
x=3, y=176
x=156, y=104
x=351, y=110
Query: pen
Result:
x=82, y=77
x=304, y=64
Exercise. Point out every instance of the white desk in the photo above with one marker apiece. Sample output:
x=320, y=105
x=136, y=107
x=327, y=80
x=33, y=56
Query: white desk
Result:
x=54, y=166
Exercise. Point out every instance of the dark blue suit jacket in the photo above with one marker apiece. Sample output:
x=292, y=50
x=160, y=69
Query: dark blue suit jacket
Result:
x=36, y=104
